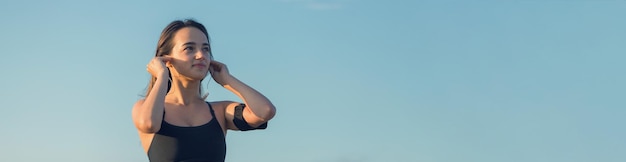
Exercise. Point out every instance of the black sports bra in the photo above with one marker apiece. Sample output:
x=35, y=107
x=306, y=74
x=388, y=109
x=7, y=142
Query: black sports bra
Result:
x=204, y=143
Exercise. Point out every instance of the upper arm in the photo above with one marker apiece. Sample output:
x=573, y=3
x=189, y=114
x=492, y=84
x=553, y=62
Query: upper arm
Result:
x=240, y=117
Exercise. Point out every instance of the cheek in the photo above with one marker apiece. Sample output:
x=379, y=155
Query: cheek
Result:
x=181, y=59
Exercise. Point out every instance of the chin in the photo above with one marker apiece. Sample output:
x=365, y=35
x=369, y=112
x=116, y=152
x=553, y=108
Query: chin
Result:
x=198, y=76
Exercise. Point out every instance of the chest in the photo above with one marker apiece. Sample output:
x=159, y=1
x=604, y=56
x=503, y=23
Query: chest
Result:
x=187, y=116
x=193, y=116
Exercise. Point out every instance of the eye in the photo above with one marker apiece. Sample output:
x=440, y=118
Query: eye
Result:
x=205, y=49
x=189, y=48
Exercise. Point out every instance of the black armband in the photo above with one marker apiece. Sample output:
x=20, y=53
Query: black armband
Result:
x=241, y=123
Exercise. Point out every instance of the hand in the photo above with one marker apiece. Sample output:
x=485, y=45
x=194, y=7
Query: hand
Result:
x=157, y=67
x=219, y=72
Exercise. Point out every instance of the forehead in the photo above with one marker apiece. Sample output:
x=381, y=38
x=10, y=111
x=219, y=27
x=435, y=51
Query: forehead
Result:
x=189, y=34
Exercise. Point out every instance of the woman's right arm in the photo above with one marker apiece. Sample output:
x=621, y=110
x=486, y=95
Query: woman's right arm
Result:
x=147, y=113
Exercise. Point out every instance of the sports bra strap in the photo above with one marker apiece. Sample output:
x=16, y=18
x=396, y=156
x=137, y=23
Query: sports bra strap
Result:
x=211, y=108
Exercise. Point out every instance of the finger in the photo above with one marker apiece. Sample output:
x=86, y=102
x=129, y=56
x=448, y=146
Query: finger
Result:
x=217, y=63
x=215, y=67
x=149, y=71
x=211, y=71
x=166, y=58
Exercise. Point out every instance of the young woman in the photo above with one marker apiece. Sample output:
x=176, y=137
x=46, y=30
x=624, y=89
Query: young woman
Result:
x=174, y=121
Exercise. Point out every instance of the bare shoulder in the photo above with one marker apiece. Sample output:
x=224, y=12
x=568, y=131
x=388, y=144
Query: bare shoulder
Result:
x=223, y=105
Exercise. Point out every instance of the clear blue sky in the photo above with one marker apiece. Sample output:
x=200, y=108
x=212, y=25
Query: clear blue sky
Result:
x=353, y=80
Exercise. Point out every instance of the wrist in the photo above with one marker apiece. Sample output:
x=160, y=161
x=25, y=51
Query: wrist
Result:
x=229, y=80
x=163, y=78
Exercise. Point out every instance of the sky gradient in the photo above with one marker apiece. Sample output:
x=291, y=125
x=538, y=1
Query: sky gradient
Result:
x=352, y=80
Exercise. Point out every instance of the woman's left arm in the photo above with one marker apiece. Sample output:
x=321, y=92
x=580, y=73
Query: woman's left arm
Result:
x=256, y=109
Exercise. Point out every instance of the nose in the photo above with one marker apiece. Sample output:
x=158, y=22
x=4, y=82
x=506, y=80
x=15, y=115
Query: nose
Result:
x=200, y=56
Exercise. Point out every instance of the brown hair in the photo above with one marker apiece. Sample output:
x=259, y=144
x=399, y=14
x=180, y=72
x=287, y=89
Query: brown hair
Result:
x=165, y=45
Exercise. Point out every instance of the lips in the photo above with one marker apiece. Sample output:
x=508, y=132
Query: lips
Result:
x=200, y=64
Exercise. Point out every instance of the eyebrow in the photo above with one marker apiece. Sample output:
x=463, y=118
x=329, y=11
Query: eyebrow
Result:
x=193, y=43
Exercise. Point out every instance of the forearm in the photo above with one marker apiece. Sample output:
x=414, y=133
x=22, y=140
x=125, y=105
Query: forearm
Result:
x=151, y=111
x=255, y=101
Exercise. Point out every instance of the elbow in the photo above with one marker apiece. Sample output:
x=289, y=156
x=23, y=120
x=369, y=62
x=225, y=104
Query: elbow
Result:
x=148, y=127
x=270, y=113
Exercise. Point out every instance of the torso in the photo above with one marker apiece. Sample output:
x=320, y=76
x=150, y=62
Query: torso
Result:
x=192, y=122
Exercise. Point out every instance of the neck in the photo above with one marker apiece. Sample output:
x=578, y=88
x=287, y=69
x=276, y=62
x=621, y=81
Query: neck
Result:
x=184, y=92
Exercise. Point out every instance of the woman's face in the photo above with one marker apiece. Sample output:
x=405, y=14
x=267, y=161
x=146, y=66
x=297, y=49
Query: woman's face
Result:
x=190, y=54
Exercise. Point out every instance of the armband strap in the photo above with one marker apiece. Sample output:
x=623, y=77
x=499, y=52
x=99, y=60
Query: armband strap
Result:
x=241, y=123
